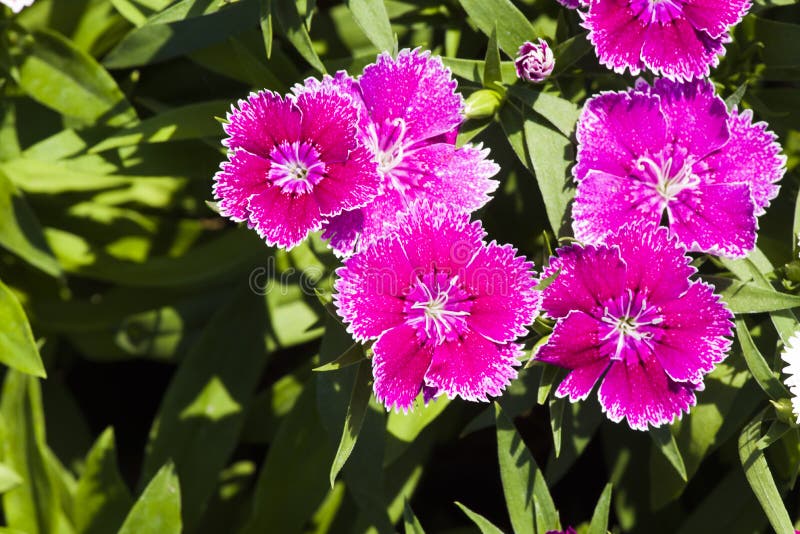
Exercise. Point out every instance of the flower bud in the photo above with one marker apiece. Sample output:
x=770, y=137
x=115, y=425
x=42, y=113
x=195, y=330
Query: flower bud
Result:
x=535, y=61
x=482, y=104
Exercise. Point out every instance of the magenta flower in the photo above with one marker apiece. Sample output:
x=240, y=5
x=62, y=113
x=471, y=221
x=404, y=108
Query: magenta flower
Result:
x=573, y=4
x=627, y=314
x=568, y=530
x=293, y=163
x=674, y=148
x=444, y=306
x=410, y=114
x=678, y=39
x=535, y=61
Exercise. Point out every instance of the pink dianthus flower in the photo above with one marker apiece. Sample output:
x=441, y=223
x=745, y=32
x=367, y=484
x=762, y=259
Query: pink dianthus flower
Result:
x=293, y=163
x=444, y=307
x=410, y=115
x=674, y=148
x=678, y=39
x=627, y=315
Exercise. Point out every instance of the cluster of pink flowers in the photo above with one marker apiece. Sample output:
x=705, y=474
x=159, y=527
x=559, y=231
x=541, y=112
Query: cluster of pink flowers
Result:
x=372, y=162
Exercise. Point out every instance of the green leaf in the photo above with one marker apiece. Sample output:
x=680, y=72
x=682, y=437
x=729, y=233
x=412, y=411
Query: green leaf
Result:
x=758, y=366
x=556, y=421
x=485, y=526
x=295, y=30
x=561, y=113
x=17, y=347
x=158, y=510
x=202, y=415
x=410, y=521
x=599, y=524
x=353, y=355
x=188, y=122
x=186, y=26
x=265, y=21
x=512, y=26
x=492, y=75
x=527, y=496
x=356, y=410
x=294, y=477
x=34, y=506
x=570, y=51
x=735, y=99
x=472, y=69
x=85, y=90
x=373, y=20
x=102, y=499
x=9, y=479
x=550, y=154
x=760, y=478
x=751, y=297
x=776, y=431
x=665, y=442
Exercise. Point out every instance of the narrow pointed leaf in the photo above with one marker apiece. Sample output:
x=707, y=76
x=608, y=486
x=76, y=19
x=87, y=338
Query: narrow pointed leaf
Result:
x=491, y=67
x=295, y=29
x=34, y=506
x=758, y=366
x=17, y=347
x=760, y=478
x=665, y=442
x=102, y=499
x=599, y=524
x=373, y=20
x=410, y=521
x=359, y=400
x=528, y=500
x=485, y=526
x=158, y=510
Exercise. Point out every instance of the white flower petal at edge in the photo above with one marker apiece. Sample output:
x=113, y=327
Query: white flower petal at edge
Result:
x=791, y=355
x=17, y=5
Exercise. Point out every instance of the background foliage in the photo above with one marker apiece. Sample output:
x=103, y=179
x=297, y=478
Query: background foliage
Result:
x=179, y=350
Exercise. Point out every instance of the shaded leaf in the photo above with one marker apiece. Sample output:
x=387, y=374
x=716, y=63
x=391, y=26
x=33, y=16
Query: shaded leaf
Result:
x=356, y=410
x=599, y=523
x=201, y=416
x=527, y=496
x=665, y=442
x=758, y=366
x=295, y=29
x=410, y=521
x=85, y=90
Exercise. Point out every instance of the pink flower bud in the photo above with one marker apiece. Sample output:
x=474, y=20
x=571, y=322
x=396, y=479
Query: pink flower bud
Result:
x=535, y=61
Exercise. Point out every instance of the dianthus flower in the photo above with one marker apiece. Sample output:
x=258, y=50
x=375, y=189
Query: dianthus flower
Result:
x=791, y=355
x=410, y=114
x=674, y=148
x=568, y=530
x=293, y=163
x=17, y=5
x=627, y=314
x=678, y=39
x=444, y=306
x=535, y=61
